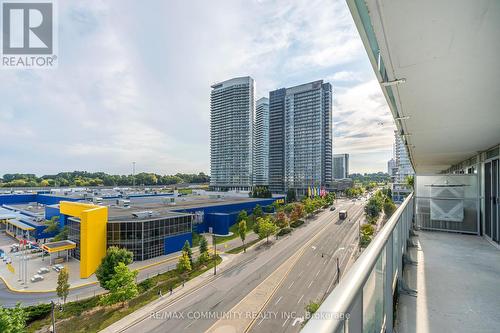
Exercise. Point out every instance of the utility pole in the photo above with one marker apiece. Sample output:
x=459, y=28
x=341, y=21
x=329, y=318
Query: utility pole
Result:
x=133, y=173
x=53, y=317
x=338, y=271
x=359, y=235
x=215, y=254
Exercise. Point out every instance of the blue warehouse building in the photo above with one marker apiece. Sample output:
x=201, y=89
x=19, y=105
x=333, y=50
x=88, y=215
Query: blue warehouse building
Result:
x=149, y=225
x=220, y=217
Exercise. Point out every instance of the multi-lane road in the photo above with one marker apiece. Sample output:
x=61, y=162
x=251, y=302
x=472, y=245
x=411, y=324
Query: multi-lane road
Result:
x=309, y=279
x=312, y=277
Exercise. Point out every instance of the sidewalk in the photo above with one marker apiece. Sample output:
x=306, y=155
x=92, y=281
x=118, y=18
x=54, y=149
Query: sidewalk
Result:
x=178, y=293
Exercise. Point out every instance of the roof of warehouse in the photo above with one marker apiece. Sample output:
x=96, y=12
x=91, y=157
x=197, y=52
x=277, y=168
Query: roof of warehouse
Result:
x=20, y=225
x=161, y=209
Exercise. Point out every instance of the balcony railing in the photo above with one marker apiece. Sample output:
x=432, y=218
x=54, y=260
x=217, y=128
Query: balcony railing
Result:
x=363, y=300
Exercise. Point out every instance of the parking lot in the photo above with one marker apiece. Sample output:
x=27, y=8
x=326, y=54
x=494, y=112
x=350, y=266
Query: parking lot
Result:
x=46, y=278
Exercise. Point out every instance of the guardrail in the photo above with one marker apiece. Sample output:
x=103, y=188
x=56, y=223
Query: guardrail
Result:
x=363, y=300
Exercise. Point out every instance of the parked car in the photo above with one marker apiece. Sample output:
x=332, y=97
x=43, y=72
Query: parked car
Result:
x=332, y=208
x=58, y=267
x=36, y=278
x=43, y=270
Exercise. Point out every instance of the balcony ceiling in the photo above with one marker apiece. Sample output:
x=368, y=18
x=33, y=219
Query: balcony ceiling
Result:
x=449, y=54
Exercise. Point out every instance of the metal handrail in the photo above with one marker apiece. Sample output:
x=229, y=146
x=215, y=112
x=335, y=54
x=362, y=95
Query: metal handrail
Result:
x=343, y=297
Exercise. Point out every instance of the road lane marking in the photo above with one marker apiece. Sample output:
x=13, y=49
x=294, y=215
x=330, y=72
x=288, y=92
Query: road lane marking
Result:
x=301, y=273
x=298, y=319
x=300, y=299
x=310, y=284
x=260, y=322
x=189, y=324
x=279, y=299
x=318, y=273
x=291, y=284
x=292, y=261
x=285, y=321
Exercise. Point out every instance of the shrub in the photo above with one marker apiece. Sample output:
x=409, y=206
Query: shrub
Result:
x=296, y=224
x=389, y=207
x=284, y=231
x=367, y=231
x=145, y=285
x=37, y=312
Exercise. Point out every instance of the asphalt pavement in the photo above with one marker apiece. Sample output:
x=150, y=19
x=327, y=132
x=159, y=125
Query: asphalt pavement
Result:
x=199, y=310
x=313, y=276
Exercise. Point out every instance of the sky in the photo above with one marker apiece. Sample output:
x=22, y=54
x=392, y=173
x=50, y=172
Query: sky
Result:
x=133, y=83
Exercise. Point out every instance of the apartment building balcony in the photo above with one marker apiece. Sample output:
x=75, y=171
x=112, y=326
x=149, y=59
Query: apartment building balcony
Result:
x=435, y=265
x=457, y=281
x=414, y=280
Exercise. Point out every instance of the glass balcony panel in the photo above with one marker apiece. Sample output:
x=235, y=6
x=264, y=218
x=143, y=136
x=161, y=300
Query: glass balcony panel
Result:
x=373, y=297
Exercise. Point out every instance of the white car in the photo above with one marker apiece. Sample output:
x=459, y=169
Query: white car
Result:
x=36, y=278
x=43, y=270
x=58, y=267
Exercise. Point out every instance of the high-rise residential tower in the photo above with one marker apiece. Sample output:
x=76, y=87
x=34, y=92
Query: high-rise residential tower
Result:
x=300, y=137
x=232, y=106
x=261, y=142
x=392, y=168
x=403, y=169
x=340, y=166
x=403, y=163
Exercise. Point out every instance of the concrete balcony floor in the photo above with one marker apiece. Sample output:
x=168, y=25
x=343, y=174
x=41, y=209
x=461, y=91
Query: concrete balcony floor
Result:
x=458, y=282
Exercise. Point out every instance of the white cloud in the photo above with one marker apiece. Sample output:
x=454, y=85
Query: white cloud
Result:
x=134, y=79
x=344, y=76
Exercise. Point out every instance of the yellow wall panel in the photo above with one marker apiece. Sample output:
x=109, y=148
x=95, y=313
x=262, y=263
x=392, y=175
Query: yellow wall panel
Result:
x=93, y=221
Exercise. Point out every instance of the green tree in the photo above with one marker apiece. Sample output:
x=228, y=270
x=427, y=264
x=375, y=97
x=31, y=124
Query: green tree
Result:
x=184, y=264
x=203, y=245
x=257, y=211
x=374, y=207
x=187, y=248
x=63, y=284
x=297, y=212
x=242, y=232
x=256, y=227
x=281, y=220
x=62, y=235
x=106, y=269
x=261, y=192
x=389, y=207
x=13, y=320
x=290, y=195
x=242, y=216
x=410, y=181
x=121, y=286
x=308, y=206
x=367, y=231
x=266, y=229
x=52, y=225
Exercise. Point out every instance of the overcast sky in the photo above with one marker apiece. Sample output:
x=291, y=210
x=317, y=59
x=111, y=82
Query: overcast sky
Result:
x=133, y=83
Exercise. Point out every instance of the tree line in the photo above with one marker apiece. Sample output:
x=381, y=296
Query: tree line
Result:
x=84, y=178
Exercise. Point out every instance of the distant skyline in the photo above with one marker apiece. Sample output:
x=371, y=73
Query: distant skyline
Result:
x=133, y=84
